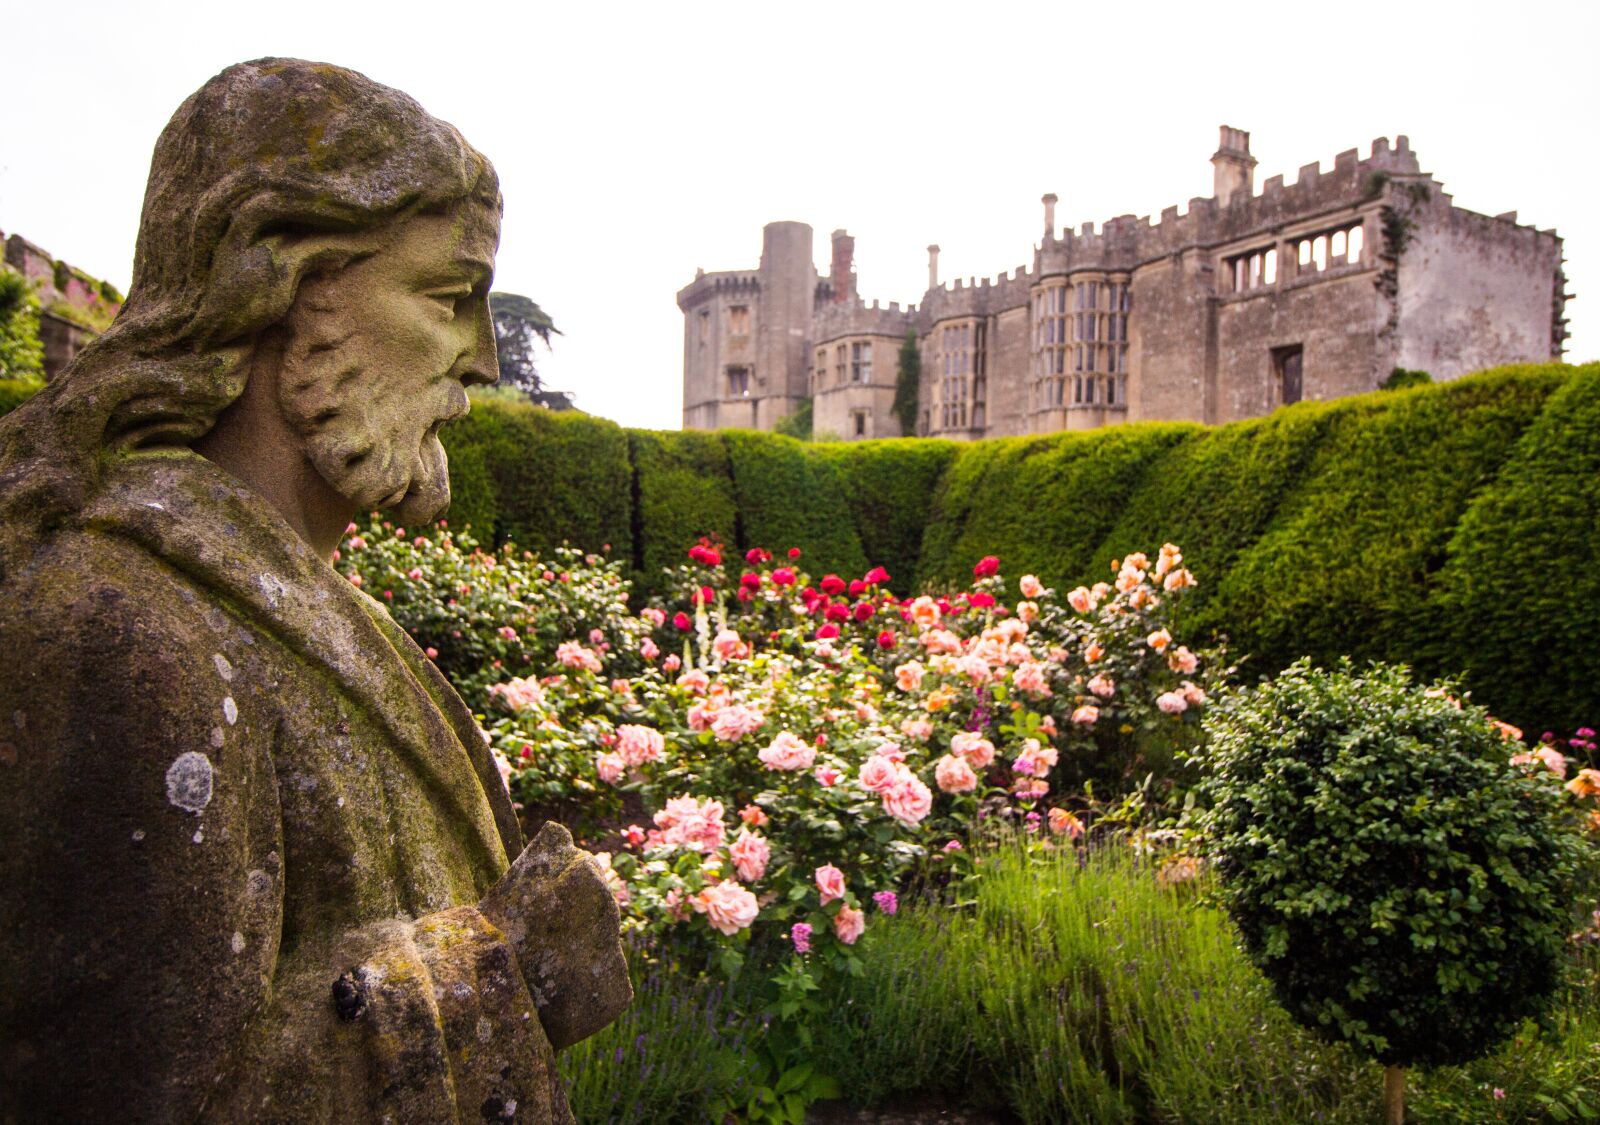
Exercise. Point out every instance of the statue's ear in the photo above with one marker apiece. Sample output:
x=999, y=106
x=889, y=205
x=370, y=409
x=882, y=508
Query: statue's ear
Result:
x=257, y=269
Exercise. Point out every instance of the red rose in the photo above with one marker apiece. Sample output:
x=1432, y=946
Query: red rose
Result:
x=827, y=632
x=838, y=611
x=750, y=580
x=832, y=584
x=794, y=552
x=755, y=556
x=857, y=587
x=864, y=611
x=681, y=622
x=876, y=576
x=705, y=556
x=980, y=600
x=887, y=640
x=783, y=576
x=705, y=595
x=987, y=566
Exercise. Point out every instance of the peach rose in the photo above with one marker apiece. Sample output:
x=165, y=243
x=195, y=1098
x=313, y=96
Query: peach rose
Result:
x=925, y=612
x=830, y=882
x=610, y=767
x=727, y=906
x=1172, y=702
x=1159, y=640
x=849, y=924
x=695, y=680
x=1093, y=653
x=1182, y=660
x=919, y=729
x=908, y=677
x=878, y=773
x=953, y=775
x=1029, y=677
x=1030, y=586
x=977, y=750
x=735, y=721
x=1102, y=685
x=1081, y=600
x=1062, y=821
x=1087, y=714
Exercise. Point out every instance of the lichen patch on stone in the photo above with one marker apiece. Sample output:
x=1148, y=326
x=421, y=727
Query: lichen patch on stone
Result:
x=237, y=943
x=230, y=710
x=189, y=781
x=224, y=669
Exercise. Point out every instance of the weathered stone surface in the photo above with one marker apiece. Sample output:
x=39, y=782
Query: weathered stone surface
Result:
x=248, y=824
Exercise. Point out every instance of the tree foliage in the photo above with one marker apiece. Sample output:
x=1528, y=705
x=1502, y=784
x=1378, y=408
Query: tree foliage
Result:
x=519, y=324
x=796, y=423
x=21, y=353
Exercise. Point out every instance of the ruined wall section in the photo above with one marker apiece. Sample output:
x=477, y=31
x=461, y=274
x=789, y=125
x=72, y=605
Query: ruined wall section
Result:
x=1473, y=291
x=74, y=307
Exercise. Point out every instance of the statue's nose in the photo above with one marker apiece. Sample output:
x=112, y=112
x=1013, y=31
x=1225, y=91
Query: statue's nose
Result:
x=482, y=364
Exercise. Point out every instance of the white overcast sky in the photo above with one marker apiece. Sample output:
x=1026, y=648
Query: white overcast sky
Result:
x=636, y=142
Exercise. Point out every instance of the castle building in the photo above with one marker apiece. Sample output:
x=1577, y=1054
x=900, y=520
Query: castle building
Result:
x=1247, y=301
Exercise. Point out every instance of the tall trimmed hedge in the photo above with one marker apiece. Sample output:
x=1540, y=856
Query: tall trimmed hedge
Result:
x=1449, y=526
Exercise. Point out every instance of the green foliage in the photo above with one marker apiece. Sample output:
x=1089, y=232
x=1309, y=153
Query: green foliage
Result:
x=684, y=492
x=1044, y=504
x=886, y=485
x=907, y=385
x=787, y=495
x=798, y=422
x=1346, y=563
x=1403, y=886
x=1401, y=378
x=518, y=324
x=556, y=477
x=21, y=353
x=1519, y=594
x=15, y=392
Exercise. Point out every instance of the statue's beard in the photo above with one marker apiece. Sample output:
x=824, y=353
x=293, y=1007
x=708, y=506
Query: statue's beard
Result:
x=373, y=446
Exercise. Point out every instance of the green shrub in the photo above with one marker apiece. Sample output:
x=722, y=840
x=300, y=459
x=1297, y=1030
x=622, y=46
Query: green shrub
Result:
x=1404, y=887
x=1345, y=565
x=1401, y=378
x=1043, y=504
x=684, y=490
x=558, y=476
x=15, y=392
x=888, y=486
x=790, y=497
x=1519, y=594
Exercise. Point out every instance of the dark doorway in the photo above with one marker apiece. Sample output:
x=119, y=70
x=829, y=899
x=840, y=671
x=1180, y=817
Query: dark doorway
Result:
x=1286, y=373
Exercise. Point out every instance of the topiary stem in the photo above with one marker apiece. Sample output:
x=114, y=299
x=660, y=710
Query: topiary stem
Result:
x=1394, y=1096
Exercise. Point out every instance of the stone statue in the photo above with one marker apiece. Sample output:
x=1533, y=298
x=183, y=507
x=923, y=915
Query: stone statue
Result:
x=255, y=854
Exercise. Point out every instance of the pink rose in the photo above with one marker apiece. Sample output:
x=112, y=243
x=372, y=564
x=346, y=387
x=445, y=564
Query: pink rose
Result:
x=878, y=773
x=672, y=663
x=695, y=680
x=610, y=767
x=953, y=775
x=750, y=854
x=827, y=776
x=728, y=646
x=1029, y=677
x=656, y=617
x=849, y=924
x=788, y=752
x=688, y=823
x=977, y=750
x=908, y=800
x=648, y=649
x=727, y=906
x=735, y=721
x=1030, y=586
x=753, y=815
x=634, y=835
x=1195, y=697
x=1172, y=702
x=1102, y=685
x=1088, y=714
x=919, y=729
x=1036, y=759
x=830, y=882
x=639, y=745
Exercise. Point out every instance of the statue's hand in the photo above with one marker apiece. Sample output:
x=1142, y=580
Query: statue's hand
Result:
x=563, y=924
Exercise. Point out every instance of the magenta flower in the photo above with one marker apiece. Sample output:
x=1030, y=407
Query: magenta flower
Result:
x=886, y=901
x=800, y=934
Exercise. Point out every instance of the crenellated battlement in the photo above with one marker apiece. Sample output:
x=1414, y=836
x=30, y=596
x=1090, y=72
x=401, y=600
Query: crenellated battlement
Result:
x=727, y=282
x=976, y=296
x=861, y=318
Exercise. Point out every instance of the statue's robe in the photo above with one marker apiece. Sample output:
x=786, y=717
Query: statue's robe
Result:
x=227, y=779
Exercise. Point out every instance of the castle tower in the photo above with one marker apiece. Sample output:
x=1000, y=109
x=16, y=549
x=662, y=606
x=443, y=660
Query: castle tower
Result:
x=1234, y=169
x=788, y=292
x=841, y=273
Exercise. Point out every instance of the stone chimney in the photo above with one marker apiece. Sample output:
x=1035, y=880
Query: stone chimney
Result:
x=933, y=267
x=842, y=271
x=1234, y=168
x=1049, y=202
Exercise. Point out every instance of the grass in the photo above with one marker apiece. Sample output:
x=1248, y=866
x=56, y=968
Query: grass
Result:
x=1078, y=989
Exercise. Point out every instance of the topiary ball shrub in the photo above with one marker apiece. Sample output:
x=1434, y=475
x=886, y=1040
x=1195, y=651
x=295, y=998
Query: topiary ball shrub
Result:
x=1402, y=885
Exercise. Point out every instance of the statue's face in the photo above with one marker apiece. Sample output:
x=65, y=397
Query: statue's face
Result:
x=379, y=356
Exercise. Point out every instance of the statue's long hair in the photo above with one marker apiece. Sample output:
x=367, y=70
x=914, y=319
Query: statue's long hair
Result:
x=271, y=172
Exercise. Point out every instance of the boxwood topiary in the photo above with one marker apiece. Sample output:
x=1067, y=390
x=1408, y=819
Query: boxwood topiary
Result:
x=1403, y=887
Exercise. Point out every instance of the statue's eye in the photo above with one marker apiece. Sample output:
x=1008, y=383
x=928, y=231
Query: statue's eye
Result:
x=451, y=299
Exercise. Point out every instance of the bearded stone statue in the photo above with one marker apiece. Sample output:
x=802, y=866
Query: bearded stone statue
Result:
x=257, y=861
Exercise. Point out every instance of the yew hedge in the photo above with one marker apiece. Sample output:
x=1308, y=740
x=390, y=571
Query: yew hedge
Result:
x=1450, y=526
